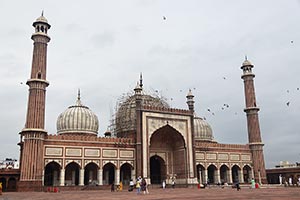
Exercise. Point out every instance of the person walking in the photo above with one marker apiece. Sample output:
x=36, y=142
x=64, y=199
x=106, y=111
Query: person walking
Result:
x=164, y=184
x=131, y=185
x=173, y=183
x=138, y=186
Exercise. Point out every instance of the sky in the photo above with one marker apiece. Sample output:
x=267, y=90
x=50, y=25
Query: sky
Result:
x=102, y=47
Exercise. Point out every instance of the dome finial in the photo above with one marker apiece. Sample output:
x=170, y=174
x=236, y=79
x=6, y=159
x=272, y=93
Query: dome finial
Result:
x=43, y=13
x=78, y=96
x=246, y=57
x=78, y=102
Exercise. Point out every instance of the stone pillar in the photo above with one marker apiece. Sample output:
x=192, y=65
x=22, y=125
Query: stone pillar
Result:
x=133, y=175
x=117, y=177
x=229, y=176
x=43, y=177
x=81, y=177
x=217, y=176
x=241, y=176
x=200, y=176
x=205, y=176
x=99, y=177
x=62, y=177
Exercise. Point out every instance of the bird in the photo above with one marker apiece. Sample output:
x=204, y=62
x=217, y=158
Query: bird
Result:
x=204, y=118
x=164, y=18
x=213, y=113
x=208, y=109
x=297, y=88
x=180, y=90
x=224, y=77
x=21, y=83
x=292, y=41
x=287, y=91
x=288, y=103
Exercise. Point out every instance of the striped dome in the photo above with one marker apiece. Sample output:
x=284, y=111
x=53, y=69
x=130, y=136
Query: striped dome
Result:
x=77, y=119
x=202, y=130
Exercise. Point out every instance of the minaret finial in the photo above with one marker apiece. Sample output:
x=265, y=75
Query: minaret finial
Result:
x=141, y=80
x=42, y=12
x=246, y=57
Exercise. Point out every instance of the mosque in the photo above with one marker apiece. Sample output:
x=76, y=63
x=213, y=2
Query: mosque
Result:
x=150, y=139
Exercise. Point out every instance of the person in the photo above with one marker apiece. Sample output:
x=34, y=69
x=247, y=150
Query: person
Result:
x=290, y=181
x=0, y=188
x=173, y=183
x=121, y=186
x=131, y=185
x=164, y=184
x=144, y=186
x=299, y=181
x=238, y=188
x=138, y=186
x=252, y=183
x=280, y=179
x=112, y=188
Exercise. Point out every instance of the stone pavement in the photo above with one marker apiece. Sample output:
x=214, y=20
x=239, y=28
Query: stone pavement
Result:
x=158, y=193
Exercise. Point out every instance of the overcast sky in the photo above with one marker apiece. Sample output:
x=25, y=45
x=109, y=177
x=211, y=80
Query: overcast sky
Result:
x=102, y=46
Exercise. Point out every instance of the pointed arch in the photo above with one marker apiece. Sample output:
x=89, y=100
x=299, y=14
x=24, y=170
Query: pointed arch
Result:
x=200, y=174
x=125, y=173
x=211, y=174
x=72, y=173
x=52, y=174
x=109, y=173
x=235, y=171
x=90, y=173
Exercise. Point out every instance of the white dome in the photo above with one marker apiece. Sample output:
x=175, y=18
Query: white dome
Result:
x=202, y=130
x=77, y=119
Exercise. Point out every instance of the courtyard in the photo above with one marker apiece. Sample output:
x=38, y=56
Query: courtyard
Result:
x=158, y=193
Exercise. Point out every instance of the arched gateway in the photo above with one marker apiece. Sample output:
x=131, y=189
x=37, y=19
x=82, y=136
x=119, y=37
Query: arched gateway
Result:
x=167, y=155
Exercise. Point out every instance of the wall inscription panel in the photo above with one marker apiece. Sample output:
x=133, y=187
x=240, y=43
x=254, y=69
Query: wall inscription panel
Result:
x=73, y=152
x=211, y=156
x=92, y=152
x=223, y=156
x=51, y=151
x=126, y=154
x=199, y=156
x=246, y=157
x=234, y=157
x=110, y=153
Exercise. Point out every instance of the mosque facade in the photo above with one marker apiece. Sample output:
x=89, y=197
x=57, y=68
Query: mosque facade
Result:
x=151, y=139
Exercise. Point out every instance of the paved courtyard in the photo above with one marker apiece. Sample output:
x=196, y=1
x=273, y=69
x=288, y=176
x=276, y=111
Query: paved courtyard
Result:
x=178, y=193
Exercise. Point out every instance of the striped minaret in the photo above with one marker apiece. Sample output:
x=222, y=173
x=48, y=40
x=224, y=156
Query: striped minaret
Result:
x=32, y=136
x=254, y=136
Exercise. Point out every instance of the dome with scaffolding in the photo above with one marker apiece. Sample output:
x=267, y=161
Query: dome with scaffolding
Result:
x=125, y=118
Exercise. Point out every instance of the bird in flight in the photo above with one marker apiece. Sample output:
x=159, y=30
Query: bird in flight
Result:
x=164, y=18
x=288, y=103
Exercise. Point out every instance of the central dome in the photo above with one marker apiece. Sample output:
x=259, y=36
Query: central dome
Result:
x=77, y=119
x=126, y=113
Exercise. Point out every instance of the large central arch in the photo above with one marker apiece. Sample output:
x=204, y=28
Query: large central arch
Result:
x=167, y=152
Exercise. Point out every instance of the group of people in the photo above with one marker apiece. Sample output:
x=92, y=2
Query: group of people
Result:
x=140, y=185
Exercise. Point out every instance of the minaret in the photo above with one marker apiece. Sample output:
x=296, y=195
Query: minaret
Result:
x=32, y=136
x=138, y=100
x=190, y=100
x=254, y=135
